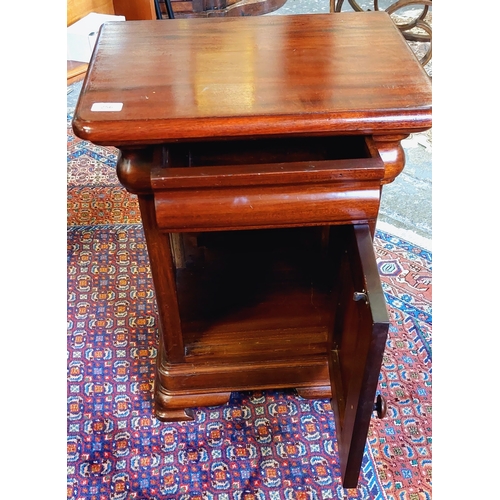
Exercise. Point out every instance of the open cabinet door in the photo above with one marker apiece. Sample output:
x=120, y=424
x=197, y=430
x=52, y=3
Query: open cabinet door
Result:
x=357, y=345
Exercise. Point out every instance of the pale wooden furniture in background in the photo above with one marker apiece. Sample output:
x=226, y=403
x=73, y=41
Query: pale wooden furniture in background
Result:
x=80, y=8
x=77, y=9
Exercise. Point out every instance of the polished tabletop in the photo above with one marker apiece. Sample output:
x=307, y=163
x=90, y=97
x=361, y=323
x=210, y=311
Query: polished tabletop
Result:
x=160, y=81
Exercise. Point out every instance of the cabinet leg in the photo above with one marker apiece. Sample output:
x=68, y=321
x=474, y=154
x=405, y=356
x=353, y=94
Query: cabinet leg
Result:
x=321, y=392
x=173, y=414
x=163, y=272
x=176, y=407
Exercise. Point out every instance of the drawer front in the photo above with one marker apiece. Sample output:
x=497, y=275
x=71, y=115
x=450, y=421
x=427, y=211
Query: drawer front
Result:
x=267, y=195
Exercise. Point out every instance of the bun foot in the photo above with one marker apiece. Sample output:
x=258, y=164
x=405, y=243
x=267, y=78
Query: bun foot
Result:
x=179, y=407
x=174, y=415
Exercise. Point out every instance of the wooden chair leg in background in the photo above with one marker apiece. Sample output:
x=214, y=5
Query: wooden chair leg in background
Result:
x=168, y=7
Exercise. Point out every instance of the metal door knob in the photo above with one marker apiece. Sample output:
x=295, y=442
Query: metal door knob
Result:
x=380, y=406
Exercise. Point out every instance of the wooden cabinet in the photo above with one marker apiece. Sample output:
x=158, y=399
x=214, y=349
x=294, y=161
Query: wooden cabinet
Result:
x=131, y=9
x=135, y=10
x=258, y=169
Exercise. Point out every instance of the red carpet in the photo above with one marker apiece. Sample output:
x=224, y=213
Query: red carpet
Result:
x=271, y=445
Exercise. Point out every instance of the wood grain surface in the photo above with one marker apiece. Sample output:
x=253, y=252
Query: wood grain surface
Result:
x=253, y=77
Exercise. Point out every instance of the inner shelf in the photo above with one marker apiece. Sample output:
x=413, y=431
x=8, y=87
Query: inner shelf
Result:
x=240, y=291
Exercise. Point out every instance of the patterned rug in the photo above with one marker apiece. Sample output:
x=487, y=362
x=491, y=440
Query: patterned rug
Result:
x=261, y=445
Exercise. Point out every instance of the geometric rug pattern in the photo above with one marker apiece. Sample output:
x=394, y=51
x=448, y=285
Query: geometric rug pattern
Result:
x=261, y=445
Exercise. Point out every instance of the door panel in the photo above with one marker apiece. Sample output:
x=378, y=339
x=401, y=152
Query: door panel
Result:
x=357, y=344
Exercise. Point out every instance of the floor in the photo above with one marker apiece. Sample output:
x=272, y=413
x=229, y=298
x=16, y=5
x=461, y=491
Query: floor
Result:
x=406, y=206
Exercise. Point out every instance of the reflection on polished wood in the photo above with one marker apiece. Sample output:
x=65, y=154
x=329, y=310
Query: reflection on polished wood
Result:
x=310, y=82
